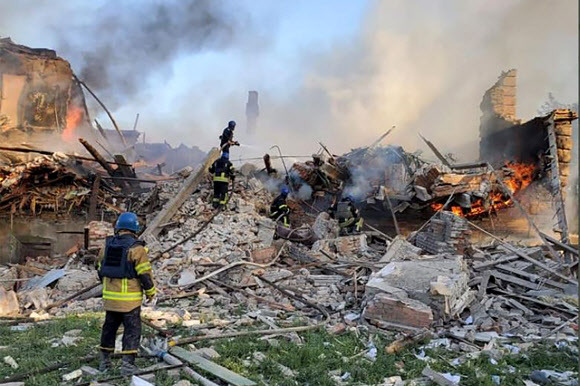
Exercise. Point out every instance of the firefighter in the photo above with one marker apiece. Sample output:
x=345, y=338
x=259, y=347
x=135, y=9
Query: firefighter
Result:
x=227, y=137
x=126, y=273
x=223, y=171
x=279, y=210
x=348, y=216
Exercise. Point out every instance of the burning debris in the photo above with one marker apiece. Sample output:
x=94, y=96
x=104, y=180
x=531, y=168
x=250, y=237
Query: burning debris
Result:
x=207, y=264
x=39, y=96
x=300, y=275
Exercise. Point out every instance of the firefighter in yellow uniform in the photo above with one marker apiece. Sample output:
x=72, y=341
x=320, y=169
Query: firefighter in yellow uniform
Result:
x=223, y=171
x=349, y=218
x=126, y=274
x=279, y=210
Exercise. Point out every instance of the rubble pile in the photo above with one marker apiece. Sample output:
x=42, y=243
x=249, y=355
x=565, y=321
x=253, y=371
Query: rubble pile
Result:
x=52, y=183
x=377, y=175
x=236, y=274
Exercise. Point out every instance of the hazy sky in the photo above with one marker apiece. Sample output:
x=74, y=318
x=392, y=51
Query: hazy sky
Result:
x=341, y=72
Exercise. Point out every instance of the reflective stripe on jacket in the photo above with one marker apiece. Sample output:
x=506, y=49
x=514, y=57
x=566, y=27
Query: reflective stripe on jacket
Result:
x=126, y=294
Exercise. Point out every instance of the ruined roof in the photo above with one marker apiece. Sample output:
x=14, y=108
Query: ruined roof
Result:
x=8, y=45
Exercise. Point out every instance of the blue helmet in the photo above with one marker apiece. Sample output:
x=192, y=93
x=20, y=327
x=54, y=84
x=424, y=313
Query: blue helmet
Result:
x=127, y=221
x=231, y=124
x=349, y=197
x=284, y=191
x=225, y=155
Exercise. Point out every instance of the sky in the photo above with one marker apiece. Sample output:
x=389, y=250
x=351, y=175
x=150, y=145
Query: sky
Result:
x=341, y=72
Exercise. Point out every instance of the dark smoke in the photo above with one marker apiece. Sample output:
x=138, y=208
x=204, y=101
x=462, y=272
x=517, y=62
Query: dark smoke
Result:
x=125, y=42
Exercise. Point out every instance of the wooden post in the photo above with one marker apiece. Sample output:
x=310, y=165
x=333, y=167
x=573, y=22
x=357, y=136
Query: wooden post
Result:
x=87, y=238
x=125, y=170
x=97, y=156
x=94, y=198
x=175, y=203
x=104, y=108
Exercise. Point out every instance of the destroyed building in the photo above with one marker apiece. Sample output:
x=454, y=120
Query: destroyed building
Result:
x=219, y=272
x=39, y=95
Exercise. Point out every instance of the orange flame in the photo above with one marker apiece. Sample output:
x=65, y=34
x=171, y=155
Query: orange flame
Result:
x=520, y=178
x=74, y=116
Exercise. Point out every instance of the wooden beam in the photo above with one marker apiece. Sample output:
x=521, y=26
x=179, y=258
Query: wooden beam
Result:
x=97, y=157
x=515, y=280
x=507, y=259
x=104, y=108
x=46, y=152
x=211, y=367
x=561, y=245
x=435, y=151
x=531, y=276
x=521, y=254
x=536, y=301
x=188, y=187
x=126, y=171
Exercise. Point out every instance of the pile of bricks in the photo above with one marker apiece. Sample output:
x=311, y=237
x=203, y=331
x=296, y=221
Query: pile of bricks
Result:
x=446, y=233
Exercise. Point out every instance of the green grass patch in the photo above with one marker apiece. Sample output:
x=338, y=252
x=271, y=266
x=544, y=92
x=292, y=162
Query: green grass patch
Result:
x=312, y=360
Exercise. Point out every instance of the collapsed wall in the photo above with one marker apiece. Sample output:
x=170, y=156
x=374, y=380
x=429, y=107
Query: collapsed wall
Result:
x=503, y=137
x=543, y=142
x=37, y=92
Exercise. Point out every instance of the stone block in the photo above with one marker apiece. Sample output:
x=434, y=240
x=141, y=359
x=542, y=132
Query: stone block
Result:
x=408, y=312
x=8, y=303
x=38, y=298
x=266, y=230
x=337, y=329
x=76, y=280
x=422, y=193
x=439, y=283
x=98, y=232
x=325, y=227
x=564, y=155
x=401, y=249
x=264, y=255
x=345, y=247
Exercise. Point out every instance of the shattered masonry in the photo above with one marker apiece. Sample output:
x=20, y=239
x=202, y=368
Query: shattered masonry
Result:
x=222, y=273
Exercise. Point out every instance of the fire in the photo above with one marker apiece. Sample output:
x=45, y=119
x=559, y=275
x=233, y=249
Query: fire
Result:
x=520, y=178
x=74, y=116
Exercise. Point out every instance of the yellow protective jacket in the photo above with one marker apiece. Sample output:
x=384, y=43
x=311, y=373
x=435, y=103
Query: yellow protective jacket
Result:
x=124, y=295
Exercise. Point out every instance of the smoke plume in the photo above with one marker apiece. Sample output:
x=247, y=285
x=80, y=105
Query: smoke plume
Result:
x=424, y=67
x=420, y=65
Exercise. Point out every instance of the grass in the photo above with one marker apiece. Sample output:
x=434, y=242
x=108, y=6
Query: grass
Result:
x=32, y=350
x=312, y=360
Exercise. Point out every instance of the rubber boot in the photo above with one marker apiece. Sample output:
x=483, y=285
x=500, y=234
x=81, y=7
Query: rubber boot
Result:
x=105, y=362
x=128, y=366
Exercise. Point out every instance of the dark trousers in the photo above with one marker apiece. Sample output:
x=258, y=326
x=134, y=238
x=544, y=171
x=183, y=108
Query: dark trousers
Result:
x=131, y=335
x=220, y=193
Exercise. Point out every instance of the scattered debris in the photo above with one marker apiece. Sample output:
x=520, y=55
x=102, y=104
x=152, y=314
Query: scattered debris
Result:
x=10, y=362
x=237, y=272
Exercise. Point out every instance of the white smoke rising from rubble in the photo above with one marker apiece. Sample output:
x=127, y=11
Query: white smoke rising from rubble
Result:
x=420, y=65
x=424, y=66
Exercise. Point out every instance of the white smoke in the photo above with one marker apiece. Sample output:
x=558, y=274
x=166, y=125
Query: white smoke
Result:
x=421, y=65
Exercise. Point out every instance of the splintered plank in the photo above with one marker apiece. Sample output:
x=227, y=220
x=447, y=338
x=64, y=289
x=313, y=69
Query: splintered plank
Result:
x=531, y=276
x=188, y=187
x=515, y=280
x=507, y=259
x=211, y=367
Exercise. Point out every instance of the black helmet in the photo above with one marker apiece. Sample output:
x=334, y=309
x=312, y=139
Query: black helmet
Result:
x=231, y=124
